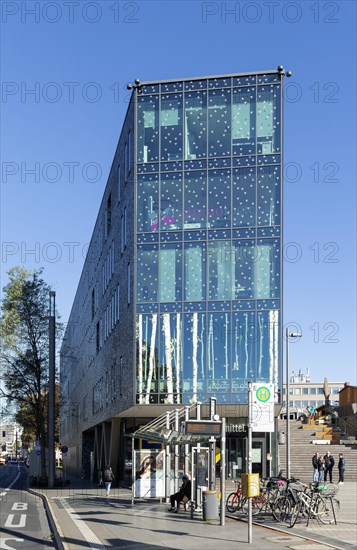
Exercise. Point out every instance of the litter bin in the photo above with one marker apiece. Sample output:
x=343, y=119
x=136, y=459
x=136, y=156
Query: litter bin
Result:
x=210, y=505
x=282, y=438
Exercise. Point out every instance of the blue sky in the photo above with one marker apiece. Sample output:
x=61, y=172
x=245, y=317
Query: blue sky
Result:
x=65, y=66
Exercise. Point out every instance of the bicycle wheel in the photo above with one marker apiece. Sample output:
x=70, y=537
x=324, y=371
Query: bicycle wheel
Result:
x=281, y=509
x=294, y=514
x=326, y=508
x=232, y=502
x=257, y=503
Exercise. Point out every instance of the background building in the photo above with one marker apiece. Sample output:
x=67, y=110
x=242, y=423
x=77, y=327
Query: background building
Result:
x=180, y=294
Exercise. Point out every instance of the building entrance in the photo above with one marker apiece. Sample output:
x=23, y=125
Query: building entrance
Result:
x=237, y=453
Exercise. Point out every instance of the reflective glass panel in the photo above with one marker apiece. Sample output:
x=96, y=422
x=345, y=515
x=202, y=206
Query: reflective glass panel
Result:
x=148, y=202
x=219, y=198
x=243, y=121
x=170, y=271
x=218, y=352
x=266, y=269
x=268, y=193
x=244, y=337
x=244, y=202
x=195, y=200
x=171, y=201
x=171, y=356
x=147, y=273
x=147, y=352
x=195, y=125
x=219, y=270
x=195, y=271
x=171, y=127
x=194, y=353
x=148, y=129
x=267, y=346
x=219, y=123
x=268, y=120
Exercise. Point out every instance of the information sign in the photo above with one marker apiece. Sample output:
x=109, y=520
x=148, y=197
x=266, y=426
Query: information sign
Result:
x=263, y=407
x=203, y=427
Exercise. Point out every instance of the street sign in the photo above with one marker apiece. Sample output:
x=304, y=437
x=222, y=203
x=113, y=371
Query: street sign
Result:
x=263, y=407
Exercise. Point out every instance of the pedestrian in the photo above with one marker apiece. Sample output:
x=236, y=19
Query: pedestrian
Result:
x=321, y=468
x=108, y=477
x=315, y=464
x=184, y=494
x=341, y=469
x=329, y=464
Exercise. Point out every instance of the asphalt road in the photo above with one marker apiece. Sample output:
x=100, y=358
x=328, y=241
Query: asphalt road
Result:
x=23, y=521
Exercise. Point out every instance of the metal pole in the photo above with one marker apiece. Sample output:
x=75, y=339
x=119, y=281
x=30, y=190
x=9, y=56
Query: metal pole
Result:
x=51, y=391
x=223, y=472
x=250, y=426
x=167, y=462
x=287, y=407
x=133, y=470
x=177, y=453
x=187, y=447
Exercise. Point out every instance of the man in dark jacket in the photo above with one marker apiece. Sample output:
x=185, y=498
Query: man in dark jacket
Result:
x=183, y=493
x=329, y=464
x=341, y=469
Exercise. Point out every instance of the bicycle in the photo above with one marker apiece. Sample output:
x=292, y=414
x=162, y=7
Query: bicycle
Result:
x=236, y=501
x=312, y=503
x=283, y=505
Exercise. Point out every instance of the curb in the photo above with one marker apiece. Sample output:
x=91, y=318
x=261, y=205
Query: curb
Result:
x=54, y=525
x=321, y=540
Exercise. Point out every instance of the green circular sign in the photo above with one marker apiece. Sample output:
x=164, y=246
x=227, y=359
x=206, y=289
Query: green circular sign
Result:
x=263, y=394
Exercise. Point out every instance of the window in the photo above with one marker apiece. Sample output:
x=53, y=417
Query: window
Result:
x=127, y=157
x=118, y=183
x=313, y=391
x=109, y=215
x=320, y=391
x=122, y=236
x=305, y=391
x=97, y=338
x=125, y=234
x=297, y=391
x=93, y=303
x=128, y=283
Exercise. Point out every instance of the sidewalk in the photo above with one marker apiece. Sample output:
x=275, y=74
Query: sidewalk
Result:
x=85, y=518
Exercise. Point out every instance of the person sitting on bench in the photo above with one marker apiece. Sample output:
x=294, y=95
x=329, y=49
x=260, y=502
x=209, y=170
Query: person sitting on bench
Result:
x=184, y=494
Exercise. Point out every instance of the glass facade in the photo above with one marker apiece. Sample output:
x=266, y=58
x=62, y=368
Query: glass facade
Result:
x=208, y=238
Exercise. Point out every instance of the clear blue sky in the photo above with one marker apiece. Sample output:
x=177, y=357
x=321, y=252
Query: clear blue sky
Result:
x=77, y=58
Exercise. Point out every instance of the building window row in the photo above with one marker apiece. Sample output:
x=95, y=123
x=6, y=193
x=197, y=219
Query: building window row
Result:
x=108, y=268
x=123, y=235
x=212, y=199
x=219, y=270
x=111, y=314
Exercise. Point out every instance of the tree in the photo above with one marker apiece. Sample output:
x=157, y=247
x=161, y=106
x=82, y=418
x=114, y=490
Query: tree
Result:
x=24, y=330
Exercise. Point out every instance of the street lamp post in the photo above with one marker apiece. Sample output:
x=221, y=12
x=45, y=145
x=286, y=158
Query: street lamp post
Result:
x=287, y=397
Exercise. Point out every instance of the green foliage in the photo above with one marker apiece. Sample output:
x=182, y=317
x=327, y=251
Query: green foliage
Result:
x=24, y=331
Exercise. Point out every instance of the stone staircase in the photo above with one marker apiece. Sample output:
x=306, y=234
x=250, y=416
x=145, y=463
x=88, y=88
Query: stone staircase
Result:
x=302, y=449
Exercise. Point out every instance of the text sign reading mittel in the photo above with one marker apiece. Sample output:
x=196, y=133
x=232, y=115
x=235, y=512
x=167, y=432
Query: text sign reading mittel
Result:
x=263, y=407
x=202, y=427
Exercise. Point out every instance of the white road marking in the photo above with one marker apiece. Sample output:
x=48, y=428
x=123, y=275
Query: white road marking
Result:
x=5, y=546
x=21, y=522
x=88, y=534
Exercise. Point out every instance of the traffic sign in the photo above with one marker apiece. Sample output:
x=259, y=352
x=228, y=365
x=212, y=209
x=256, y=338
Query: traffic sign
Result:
x=263, y=407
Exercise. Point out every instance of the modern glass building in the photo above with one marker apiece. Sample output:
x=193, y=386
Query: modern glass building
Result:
x=180, y=296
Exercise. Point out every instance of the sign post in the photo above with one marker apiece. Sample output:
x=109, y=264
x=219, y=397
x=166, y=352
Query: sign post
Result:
x=250, y=429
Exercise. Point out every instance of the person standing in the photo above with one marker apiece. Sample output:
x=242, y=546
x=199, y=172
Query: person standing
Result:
x=315, y=464
x=321, y=468
x=341, y=469
x=108, y=477
x=329, y=464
